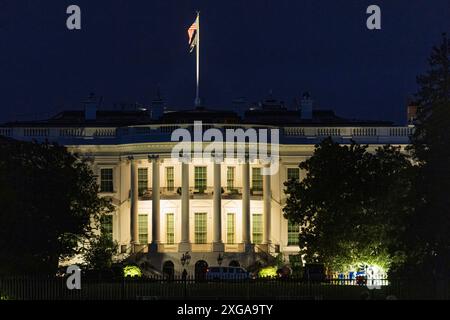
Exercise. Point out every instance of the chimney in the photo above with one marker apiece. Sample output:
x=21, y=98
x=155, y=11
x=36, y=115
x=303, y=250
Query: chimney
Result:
x=90, y=108
x=240, y=106
x=306, y=106
x=158, y=105
x=412, y=113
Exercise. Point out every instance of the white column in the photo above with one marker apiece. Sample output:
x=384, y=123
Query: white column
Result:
x=133, y=204
x=267, y=198
x=217, y=204
x=246, y=204
x=185, y=243
x=155, y=205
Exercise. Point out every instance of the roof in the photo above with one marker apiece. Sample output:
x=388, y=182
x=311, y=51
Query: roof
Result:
x=272, y=115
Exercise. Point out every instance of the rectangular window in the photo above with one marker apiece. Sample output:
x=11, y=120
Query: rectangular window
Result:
x=170, y=228
x=257, y=228
x=231, y=227
x=293, y=231
x=170, y=179
x=257, y=179
x=106, y=226
x=142, y=180
x=106, y=180
x=200, y=227
x=230, y=178
x=143, y=228
x=293, y=173
x=200, y=179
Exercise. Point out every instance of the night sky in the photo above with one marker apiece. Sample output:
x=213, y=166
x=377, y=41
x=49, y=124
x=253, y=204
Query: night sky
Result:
x=126, y=48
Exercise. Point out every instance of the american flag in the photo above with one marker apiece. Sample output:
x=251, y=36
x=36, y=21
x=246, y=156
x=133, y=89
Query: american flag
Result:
x=193, y=35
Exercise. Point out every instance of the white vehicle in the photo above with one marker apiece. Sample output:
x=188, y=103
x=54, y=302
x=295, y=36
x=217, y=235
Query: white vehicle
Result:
x=227, y=273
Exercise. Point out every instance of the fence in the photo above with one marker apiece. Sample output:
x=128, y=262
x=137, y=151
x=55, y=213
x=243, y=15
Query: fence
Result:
x=40, y=288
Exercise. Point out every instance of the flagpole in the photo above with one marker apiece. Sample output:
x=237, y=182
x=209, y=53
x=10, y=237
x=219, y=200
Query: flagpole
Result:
x=197, y=96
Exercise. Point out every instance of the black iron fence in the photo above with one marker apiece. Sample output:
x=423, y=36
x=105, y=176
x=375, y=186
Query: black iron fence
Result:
x=51, y=288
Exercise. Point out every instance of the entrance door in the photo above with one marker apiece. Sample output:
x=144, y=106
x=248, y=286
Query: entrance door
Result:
x=201, y=268
x=168, y=269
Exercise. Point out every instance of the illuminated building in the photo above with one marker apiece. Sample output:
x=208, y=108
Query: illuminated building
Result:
x=166, y=210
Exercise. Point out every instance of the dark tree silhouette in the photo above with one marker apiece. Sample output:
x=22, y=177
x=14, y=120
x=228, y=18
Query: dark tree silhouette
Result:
x=49, y=205
x=428, y=238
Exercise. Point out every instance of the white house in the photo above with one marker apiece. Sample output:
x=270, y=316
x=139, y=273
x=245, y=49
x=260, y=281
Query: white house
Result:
x=224, y=213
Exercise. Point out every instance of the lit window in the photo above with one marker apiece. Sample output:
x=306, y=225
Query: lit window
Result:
x=293, y=173
x=200, y=228
x=231, y=226
x=257, y=228
x=293, y=231
x=257, y=179
x=143, y=229
x=106, y=180
x=200, y=179
x=170, y=181
x=230, y=178
x=142, y=180
x=170, y=228
x=106, y=227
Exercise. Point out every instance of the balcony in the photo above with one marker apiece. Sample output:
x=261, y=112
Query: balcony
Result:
x=231, y=193
x=170, y=193
x=202, y=193
x=145, y=195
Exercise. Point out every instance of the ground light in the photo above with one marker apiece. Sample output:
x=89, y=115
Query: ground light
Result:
x=268, y=272
x=132, y=271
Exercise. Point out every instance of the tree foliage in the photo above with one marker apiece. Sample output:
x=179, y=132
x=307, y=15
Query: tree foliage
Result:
x=99, y=252
x=427, y=239
x=349, y=202
x=49, y=203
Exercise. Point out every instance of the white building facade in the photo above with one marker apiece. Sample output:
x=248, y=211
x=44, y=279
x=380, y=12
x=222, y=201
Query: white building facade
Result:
x=226, y=213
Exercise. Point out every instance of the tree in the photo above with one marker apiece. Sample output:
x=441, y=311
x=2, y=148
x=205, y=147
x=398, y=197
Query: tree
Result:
x=428, y=239
x=49, y=203
x=99, y=252
x=348, y=202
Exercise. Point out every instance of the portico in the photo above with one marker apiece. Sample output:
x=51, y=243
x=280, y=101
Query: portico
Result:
x=212, y=219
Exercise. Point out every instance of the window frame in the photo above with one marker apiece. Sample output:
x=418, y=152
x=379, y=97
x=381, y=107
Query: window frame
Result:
x=257, y=184
x=257, y=234
x=292, y=168
x=231, y=177
x=170, y=229
x=141, y=235
x=141, y=190
x=231, y=230
x=103, y=230
x=200, y=178
x=201, y=231
x=293, y=229
x=170, y=178
x=102, y=190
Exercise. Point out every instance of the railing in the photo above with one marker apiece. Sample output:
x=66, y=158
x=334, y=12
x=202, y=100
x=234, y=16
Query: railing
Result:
x=175, y=193
x=196, y=287
x=6, y=132
x=166, y=129
x=206, y=192
x=171, y=193
x=232, y=193
x=145, y=194
x=256, y=192
x=348, y=132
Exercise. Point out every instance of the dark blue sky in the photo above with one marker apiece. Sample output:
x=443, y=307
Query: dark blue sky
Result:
x=125, y=48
